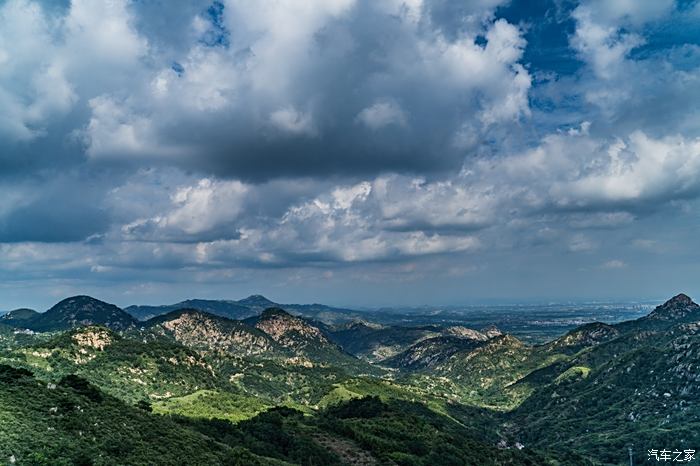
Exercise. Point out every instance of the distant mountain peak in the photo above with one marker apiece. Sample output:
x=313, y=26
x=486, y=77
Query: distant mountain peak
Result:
x=681, y=299
x=82, y=310
x=257, y=300
x=678, y=307
x=20, y=314
x=79, y=299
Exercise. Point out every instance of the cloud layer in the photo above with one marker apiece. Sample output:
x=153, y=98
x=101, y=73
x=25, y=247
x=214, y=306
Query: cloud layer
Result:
x=258, y=144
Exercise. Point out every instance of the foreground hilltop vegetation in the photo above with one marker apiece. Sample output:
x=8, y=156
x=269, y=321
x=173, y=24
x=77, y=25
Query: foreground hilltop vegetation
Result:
x=88, y=383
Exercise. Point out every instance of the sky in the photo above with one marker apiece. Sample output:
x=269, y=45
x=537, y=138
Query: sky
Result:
x=351, y=152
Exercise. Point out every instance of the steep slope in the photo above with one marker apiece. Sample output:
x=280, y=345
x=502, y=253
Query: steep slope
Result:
x=320, y=312
x=678, y=309
x=75, y=312
x=641, y=389
x=583, y=337
x=377, y=342
x=634, y=383
x=202, y=331
x=73, y=422
x=290, y=331
x=308, y=341
x=369, y=431
x=481, y=373
x=128, y=369
x=431, y=353
x=327, y=314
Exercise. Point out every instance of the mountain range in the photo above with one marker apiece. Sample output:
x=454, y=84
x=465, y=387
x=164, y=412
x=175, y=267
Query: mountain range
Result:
x=247, y=307
x=318, y=385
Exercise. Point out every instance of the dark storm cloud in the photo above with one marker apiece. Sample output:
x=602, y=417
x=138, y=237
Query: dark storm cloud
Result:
x=347, y=88
x=354, y=88
x=56, y=207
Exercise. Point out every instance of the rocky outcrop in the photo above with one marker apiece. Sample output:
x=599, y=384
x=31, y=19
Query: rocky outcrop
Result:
x=288, y=330
x=677, y=308
x=464, y=332
x=203, y=331
x=93, y=337
x=585, y=336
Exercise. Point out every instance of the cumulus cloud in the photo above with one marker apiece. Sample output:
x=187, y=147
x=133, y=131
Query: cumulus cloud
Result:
x=233, y=139
x=382, y=114
x=33, y=85
x=248, y=76
x=583, y=182
x=639, y=169
x=228, y=102
x=199, y=210
x=346, y=224
x=292, y=121
x=114, y=131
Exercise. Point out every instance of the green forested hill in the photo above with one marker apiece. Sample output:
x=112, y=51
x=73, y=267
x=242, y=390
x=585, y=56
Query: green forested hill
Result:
x=73, y=312
x=278, y=388
x=74, y=423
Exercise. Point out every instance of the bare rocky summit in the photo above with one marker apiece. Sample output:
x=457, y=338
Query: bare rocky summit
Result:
x=204, y=331
x=678, y=307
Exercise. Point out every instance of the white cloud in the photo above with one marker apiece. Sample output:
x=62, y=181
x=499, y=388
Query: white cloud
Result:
x=614, y=264
x=33, y=85
x=605, y=37
x=290, y=120
x=382, y=114
x=116, y=131
x=581, y=243
x=101, y=33
x=209, y=83
x=572, y=180
x=630, y=12
x=406, y=204
x=358, y=132
x=280, y=47
x=574, y=170
x=200, y=209
x=290, y=77
x=603, y=46
x=639, y=168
